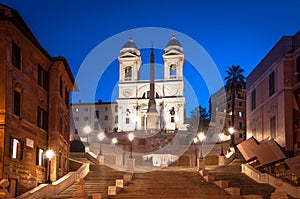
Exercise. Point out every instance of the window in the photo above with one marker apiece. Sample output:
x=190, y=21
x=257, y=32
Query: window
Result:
x=298, y=69
x=240, y=125
x=39, y=156
x=105, y=117
x=240, y=104
x=173, y=71
x=221, y=121
x=105, y=108
x=67, y=97
x=66, y=164
x=271, y=84
x=273, y=127
x=128, y=73
x=16, y=148
x=60, y=125
x=228, y=106
x=116, y=108
x=253, y=99
x=76, y=118
x=86, y=118
x=172, y=119
x=61, y=86
x=42, y=118
x=16, y=56
x=229, y=123
x=17, y=103
x=60, y=160
x=127, y=120
x=86, y=109
x=241, y=114
x=97, y=114
x=43, y=78
x=116, y=119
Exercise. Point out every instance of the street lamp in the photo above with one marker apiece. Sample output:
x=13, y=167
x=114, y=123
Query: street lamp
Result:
x=87, y=129
x=101, y=136
x=49, y=155
x=201, y=138
x=130, y=137
x=221, y=137
x=231, y=130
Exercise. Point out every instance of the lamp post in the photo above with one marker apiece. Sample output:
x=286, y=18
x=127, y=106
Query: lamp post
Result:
x=87, y=129
x=101, y=136
x=49, y=155
x=231, y=130
x=221, y=137
x=130, y=137
x=201, y=138
x=195, y=140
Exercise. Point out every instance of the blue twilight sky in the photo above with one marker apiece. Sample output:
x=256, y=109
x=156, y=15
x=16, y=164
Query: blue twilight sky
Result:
x=233, y=32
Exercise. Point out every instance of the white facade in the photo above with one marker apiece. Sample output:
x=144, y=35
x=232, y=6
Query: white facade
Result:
x=99, y=116
x=134, y=93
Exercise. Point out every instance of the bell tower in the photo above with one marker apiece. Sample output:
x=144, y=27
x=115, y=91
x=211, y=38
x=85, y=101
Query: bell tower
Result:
x=173, y=60
x=130, y=62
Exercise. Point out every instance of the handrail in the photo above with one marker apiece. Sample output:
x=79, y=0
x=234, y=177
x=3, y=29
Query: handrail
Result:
x=50, y=190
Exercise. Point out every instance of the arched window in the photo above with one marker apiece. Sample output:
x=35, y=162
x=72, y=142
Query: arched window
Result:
x=128, y=73
x=146, y=95
x=173, y=71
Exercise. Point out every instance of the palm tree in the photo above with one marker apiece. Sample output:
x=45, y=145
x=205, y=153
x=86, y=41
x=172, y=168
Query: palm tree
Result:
x=235, y=81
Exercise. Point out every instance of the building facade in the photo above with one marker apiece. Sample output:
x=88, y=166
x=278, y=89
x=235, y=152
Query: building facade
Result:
x=134, y=93
x=99, y=116
x=34, y=107
x=221, y=112
x=273, y=89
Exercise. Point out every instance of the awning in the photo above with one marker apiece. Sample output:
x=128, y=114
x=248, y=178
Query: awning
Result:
x=268, y=152
x=246, y=148
x=294, y=164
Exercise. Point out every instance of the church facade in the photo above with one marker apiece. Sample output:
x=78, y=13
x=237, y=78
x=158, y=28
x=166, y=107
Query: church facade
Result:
x=134, y=94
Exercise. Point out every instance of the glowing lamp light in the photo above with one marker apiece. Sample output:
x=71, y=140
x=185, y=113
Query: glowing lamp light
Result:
x=130, y=136
x=87, y=129
x=195, y=140
x=221, y=136
x=114, y=141
x=201, y=136
x=231, y=130
x=101, y=136
x=49, y=154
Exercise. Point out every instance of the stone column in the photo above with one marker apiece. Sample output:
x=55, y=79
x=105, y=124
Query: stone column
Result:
x=130, y=165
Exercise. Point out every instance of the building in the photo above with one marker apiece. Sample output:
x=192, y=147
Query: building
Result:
x=134, y=94
x=34, y=107
x=221, y=112
x=273, y=95
x=99, y=116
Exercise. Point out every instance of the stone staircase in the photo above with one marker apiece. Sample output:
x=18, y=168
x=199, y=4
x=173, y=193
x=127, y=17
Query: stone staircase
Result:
x=171, y=182
x=97, y=181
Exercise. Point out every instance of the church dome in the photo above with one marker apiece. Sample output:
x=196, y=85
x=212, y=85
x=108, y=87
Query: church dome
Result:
x=173, y=42
x=130, y=44
x=131, y=47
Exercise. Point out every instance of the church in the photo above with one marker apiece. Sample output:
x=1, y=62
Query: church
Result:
x=154, y=104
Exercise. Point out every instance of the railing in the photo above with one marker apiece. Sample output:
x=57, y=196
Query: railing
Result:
x=50, y=190
x=259, y=177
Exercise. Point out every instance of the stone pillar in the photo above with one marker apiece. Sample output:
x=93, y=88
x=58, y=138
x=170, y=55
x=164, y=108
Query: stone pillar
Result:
x=130, y=165
x=80, y=193
x=4, y=183
x=101, y=159
x=279, y=193
x=222, y=159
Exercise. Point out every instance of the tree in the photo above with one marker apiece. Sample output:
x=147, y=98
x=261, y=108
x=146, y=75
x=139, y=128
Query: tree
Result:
x=235, y=81
x=198, y=122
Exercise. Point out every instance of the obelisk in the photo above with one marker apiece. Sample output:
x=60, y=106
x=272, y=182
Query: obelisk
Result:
x=152, y=114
